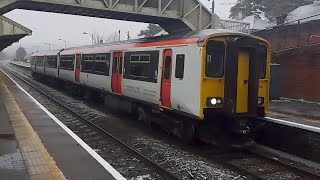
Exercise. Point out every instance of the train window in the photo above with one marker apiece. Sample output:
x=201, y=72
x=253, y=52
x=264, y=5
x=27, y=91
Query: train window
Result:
x=179, y=66
x=263, y=62
x=167, y=69
x=100, y=64
x=139, y=70
x=39, y=61
x=67, y=62
x=141, y=65
x=114, y=64
x=87, y=63
x=144, y=58
x=134, y=58
x=52, y=61
x=120, y=66
x=33, y=62
x=215, y=59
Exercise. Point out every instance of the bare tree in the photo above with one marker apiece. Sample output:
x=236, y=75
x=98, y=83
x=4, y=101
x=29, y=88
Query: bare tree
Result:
x=112, y=37
x=98, y=38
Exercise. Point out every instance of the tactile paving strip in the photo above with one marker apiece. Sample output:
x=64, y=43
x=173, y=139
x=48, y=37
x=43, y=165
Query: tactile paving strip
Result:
x=38, y=161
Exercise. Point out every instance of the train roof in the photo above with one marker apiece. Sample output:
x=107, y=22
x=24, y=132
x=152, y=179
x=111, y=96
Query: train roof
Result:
x=46, y=53
x=188, y=37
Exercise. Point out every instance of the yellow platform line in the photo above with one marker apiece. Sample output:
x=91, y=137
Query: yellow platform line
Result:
x=40, y=164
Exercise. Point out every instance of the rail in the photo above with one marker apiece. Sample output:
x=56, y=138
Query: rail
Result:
x=159, y=169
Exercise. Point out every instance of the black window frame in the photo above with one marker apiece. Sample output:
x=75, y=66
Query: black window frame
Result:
x=99, y=63
x=180, y=61
x=167, y=68
x=33, y=61
x=52, y=65
x=65, y=62
x=40, y=61
x=139, y=64
x=87, y=63
x=219, y=47
x=263, y=57
x=149, y=66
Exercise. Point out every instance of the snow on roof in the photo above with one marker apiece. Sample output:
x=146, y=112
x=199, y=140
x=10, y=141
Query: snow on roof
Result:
x=304, y=12
x=257, y=23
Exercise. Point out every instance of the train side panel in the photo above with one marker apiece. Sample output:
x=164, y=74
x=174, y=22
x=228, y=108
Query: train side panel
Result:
x=67, y=75
x=185, y=79
x=142, y=75
x=98, y=81
x=51, y=72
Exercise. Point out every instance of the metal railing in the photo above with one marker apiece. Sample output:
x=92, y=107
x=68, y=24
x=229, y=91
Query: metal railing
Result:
x=235, y=26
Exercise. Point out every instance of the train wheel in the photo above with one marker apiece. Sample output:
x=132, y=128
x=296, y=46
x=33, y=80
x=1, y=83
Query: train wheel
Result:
x=188, y=132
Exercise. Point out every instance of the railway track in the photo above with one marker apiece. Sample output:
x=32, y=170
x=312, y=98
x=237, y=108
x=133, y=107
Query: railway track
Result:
x=155, y=166
x=227, y=160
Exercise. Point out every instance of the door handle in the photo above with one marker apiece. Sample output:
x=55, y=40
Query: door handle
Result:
x=245, y=82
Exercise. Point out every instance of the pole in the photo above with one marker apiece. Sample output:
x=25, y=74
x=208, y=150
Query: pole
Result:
x=213, y=21
x=119, y=34
x=92, y=39
x=65, y=43
x=128, y=35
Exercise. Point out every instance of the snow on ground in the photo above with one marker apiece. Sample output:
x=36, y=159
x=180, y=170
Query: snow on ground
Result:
x=188, y=164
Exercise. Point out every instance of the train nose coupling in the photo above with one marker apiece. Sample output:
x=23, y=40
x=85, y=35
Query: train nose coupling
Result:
x=241, y=128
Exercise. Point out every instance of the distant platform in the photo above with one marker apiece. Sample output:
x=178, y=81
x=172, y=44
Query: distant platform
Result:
x=296, y=113
x=36, y=145
x=21, y=64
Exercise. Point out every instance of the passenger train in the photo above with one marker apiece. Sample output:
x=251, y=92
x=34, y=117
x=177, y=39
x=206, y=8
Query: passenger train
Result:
x=206, y=76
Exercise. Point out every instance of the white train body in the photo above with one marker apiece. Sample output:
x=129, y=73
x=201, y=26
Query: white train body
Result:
x=138, y=71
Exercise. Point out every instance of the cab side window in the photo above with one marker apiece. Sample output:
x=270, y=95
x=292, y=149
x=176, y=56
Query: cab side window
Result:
x=215, y=59
x=179, y=72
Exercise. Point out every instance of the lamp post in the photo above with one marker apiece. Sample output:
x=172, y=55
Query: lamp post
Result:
x=36, y=48
x=90, y=35
x=65, y=43
x=213, y=20
x=48, y=45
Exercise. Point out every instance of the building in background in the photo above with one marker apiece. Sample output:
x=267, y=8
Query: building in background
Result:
x=296, y=46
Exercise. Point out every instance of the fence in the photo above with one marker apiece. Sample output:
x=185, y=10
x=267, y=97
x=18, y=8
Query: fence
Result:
x=235, y=26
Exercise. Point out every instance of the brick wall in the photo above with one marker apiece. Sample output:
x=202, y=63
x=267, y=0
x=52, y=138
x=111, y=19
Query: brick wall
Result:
x=300, y=66
x=290, y=36
x=300, y=76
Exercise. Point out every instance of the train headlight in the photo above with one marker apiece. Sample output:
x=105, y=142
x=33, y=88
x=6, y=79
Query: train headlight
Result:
x=260, y=100
x=213, y=101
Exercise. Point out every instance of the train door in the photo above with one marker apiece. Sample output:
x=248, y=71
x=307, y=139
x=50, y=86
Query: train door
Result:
x=243, y=81
x=116, y=79
x=166, y=78
x=44, y=64
x=77, y=71
x=35, y=63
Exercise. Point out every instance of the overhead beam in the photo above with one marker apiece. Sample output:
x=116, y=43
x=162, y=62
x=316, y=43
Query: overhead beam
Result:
x=172, y=15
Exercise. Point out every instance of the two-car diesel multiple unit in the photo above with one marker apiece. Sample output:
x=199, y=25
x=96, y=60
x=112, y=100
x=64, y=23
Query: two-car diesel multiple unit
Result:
x=205, y=76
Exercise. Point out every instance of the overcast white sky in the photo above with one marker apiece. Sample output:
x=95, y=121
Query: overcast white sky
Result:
x=49, y=27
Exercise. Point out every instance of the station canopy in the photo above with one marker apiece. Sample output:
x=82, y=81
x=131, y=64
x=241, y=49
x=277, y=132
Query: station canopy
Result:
x=11, y=32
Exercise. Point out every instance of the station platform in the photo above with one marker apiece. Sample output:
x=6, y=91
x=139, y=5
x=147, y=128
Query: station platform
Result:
x=295, y=113
x=36, y=145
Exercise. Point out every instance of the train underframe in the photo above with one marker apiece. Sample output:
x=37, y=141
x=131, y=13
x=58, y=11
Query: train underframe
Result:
x=216, y=128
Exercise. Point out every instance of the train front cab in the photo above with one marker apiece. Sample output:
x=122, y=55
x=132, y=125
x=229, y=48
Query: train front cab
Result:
x=235, y=78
